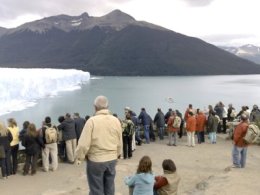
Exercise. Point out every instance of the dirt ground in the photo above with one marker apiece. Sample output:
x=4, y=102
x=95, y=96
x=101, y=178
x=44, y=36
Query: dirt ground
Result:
x=204, y=169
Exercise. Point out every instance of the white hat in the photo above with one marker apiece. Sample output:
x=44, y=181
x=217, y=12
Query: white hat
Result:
x=127, y=108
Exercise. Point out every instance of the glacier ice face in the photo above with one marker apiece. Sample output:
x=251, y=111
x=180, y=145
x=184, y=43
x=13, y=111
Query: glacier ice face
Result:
x=20, y=88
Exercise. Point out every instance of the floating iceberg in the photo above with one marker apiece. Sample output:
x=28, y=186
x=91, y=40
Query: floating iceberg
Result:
x=20, y=88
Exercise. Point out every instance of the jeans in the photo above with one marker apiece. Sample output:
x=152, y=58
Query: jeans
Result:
x=5, y=164
x=147, y=133
x=213, y=137
x=62, y=151
x=31, y=160
x=14, y=151
x=181, y=129
x=137, y=135
x=201, y=137
x=127, y=146
x=161, y=132
x=101, y=176
x=172, y=138
x=239, y=156
x=224, y=125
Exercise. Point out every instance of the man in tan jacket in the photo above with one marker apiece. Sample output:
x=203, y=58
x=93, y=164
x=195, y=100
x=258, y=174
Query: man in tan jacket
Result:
x=100, y=144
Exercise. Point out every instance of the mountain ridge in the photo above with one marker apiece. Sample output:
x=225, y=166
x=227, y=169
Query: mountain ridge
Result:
x=115, y=45
x=115, y=19
x=248, y=51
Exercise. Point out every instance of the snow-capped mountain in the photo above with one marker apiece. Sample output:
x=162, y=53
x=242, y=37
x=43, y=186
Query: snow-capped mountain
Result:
x=249, y=51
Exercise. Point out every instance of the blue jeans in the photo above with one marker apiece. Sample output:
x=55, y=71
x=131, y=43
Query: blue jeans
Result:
x=213, y=137
x=161, y=132
x=101, y=176
x=172, y=138
x=137, y=135
x=5, y=164
x=147, y=133
x=200, y=137
x=239, y=156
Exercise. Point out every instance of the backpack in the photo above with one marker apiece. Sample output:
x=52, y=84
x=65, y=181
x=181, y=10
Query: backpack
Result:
x=252, y=134
x=51, y=135
x=233, y=113
x=176, y=122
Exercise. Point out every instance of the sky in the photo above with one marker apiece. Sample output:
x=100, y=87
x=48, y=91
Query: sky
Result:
x=220, y=22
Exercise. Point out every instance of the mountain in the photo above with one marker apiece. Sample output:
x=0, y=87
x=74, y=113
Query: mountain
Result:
x=114, y=44
x=249, y=52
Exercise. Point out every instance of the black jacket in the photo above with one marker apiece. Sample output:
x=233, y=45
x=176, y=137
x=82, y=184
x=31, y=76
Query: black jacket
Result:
x=6, y=140
x=32, y=145
x=68, y=128
x=79, y=124
x=159, y=119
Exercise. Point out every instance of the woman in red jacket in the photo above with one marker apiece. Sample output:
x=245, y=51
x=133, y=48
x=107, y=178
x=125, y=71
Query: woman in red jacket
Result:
x=191, y=128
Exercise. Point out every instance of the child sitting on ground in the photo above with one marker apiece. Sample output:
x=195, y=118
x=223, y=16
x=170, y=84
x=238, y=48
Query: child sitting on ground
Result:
x=169, y=181
x=143, y=181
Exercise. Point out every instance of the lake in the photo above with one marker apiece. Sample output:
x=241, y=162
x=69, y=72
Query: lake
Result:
x=149, y=92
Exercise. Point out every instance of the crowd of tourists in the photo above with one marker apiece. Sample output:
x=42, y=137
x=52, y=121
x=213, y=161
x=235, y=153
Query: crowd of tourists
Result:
x=104, y=138
x=53, y=143
x=194, y=121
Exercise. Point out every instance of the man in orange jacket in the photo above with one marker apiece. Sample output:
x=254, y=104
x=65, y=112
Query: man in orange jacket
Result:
x=191, y=128
x=240, y=146
x=200, y=122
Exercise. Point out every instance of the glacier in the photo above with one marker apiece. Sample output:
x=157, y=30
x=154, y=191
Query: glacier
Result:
x=21, y=88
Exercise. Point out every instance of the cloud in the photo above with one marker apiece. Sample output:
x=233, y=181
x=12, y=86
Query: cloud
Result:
x=231, y=39
x=12, y=9
x=197, y=3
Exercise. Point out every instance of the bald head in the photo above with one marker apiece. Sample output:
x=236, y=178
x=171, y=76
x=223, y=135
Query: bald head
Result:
x=101, y=102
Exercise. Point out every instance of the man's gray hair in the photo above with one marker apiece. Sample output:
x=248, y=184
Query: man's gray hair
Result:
x=101, y=102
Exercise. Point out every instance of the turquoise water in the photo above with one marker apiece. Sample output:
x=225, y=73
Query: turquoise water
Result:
x=148, y=92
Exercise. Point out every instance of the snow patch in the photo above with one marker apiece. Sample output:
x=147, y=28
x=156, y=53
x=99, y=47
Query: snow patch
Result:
x=241, y=51
x=76, y=24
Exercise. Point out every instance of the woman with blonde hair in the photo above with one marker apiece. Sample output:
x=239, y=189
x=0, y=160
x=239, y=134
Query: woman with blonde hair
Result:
x=14, y=129
x=5, y=150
